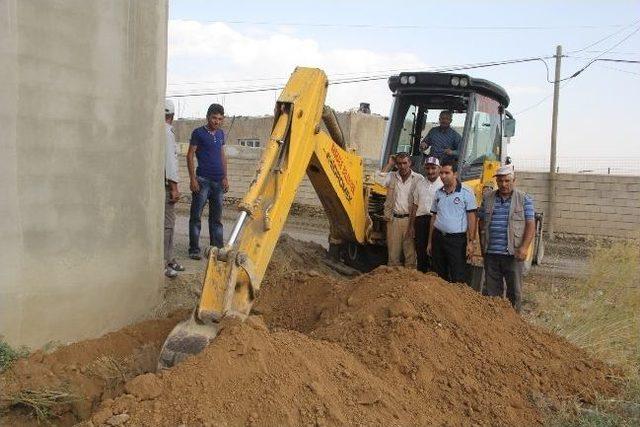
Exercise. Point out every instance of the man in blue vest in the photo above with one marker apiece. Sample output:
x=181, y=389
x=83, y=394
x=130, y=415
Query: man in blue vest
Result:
x=507, y=228
x=209, y=181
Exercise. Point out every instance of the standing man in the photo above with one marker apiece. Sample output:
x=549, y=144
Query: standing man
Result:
x=421, y=210
x=507, y=227
x=453, y=225
x=171, y=267
x=442, y=141
x=209, y=181
x=401, y=185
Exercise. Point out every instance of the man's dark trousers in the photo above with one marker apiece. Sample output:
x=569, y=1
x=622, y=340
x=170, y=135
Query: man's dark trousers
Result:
x=449, y=255
x=210, y=191
x=421, y=228
x=499, y=269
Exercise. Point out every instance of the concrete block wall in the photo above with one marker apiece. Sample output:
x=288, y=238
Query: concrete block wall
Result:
x=242, y=163
x=587, y=205
x=592, y=205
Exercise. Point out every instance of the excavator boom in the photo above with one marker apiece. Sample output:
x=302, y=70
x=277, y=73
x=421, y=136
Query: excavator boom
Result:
x=297, y=146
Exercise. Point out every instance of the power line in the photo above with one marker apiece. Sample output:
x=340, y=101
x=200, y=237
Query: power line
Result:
x=601, y=54
x=406, y=26
x=620, y=70
x=447, y=68
x=624, y=61
x=606, y=37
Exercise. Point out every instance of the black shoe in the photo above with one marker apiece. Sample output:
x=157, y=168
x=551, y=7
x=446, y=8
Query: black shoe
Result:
x=174, y=265
x=195, y=255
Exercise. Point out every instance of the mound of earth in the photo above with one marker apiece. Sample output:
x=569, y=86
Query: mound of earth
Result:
x=88, y=372
x=393, y=347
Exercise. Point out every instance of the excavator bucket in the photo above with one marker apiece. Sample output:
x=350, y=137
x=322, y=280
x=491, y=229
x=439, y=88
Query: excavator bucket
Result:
x=187, y=338
x=191, y=336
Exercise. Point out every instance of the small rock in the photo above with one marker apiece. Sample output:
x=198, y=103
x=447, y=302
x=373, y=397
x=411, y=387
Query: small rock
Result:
x=101, y=416
x=257, y=323
x=351, y=301
x=313, y=273
x=144, y=387
x=118, y=420
x=402, y=308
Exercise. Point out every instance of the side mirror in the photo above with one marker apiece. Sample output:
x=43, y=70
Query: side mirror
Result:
x=509, y=128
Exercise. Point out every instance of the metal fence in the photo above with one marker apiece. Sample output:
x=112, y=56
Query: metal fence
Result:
x=595, y=166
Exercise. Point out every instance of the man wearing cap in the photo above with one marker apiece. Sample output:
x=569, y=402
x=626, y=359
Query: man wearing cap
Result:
x=421, y=210
x=453, y=226
x=401, y=185
x=507, y=228
x=171, y=191
x=442, y=142
x=209, y=181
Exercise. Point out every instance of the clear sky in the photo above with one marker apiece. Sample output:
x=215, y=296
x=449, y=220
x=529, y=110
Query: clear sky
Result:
x=216, y=46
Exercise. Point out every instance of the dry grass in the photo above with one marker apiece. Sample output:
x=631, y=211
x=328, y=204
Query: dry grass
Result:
x=43, y=402
x=112, y=370
x=600, y=313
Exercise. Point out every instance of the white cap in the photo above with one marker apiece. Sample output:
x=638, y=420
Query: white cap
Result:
x=432, y=161
x=169, y=108
x=504, y=170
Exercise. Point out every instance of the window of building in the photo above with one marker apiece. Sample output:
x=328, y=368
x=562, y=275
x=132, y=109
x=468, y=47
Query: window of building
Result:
x=249, y=142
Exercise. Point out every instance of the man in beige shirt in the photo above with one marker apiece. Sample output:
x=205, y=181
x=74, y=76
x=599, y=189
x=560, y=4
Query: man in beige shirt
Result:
x=400, y=185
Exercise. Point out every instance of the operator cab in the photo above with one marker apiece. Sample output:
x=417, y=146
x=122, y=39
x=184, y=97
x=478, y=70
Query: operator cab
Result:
x=478, y=108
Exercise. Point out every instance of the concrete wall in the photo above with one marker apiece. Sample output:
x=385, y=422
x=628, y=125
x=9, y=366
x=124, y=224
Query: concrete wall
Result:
x=363, y=132
x=592, y=205
x=588, y=205
x=81, y=163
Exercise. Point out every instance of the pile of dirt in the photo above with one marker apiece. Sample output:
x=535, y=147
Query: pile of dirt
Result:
x=393, y=347
x=291, y=255
x=87, y=372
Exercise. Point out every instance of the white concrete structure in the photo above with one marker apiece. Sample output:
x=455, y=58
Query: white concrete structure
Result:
x=81, y=165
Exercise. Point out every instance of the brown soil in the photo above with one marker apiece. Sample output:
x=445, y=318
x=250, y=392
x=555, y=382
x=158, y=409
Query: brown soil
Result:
x=91, y=370
x=393, y=347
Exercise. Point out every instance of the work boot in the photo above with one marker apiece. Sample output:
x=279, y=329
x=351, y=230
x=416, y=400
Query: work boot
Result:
x=170, y=272
x=177, y=267
x=195, y=255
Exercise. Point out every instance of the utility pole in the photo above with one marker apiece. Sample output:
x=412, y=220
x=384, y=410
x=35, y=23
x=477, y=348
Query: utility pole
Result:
x=553, y=174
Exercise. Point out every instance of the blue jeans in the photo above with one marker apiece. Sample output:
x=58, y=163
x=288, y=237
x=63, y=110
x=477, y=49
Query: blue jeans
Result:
x=211, y=191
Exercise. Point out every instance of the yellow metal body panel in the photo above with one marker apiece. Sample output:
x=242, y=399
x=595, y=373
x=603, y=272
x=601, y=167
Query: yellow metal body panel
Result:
x=296, y=146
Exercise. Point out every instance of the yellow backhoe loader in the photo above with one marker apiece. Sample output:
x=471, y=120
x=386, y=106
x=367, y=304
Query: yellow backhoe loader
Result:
x=353, y=204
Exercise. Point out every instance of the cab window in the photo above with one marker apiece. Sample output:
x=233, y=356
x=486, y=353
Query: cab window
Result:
x=484, y=138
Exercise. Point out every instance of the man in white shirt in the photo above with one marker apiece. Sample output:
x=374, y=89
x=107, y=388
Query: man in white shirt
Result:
x=171, y=191
x=420, y=215
x=400, y=185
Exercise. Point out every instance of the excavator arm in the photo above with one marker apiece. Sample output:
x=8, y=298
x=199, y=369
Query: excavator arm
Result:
x=297, y=146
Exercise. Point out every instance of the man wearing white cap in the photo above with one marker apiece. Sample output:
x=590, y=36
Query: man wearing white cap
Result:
x=507, y=227
x=420, y=217
x=171, y=191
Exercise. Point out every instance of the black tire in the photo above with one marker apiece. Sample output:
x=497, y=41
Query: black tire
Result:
x=364, y=258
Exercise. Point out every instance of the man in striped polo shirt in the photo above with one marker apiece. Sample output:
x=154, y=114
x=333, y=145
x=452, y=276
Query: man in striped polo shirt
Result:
x=507, y=227
x=442, y=142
